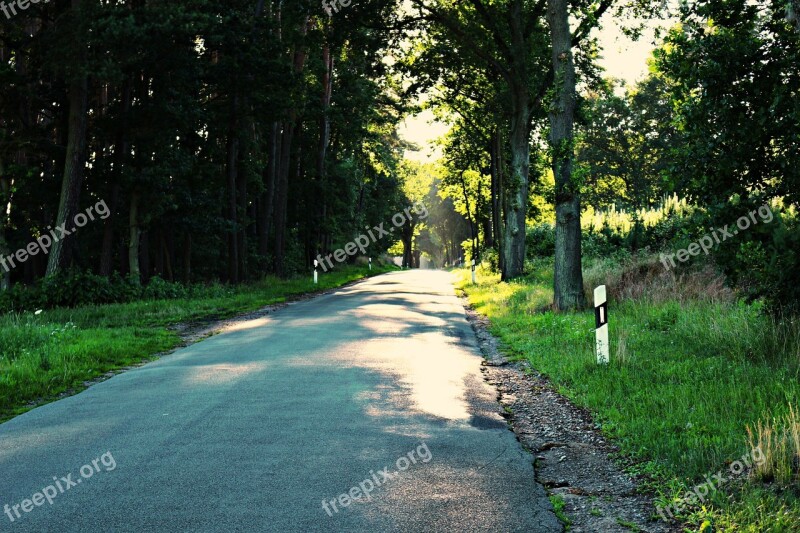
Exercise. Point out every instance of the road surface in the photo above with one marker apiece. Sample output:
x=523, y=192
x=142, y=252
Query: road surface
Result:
x=360, y=410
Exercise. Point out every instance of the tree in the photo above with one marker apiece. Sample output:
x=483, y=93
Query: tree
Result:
x=74, y=162
x=732, y=72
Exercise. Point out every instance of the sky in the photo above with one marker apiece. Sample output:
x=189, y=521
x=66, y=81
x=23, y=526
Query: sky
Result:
x=622, y=58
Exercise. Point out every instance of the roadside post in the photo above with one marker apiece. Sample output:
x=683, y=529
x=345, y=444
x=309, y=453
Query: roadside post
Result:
x=601, y=324
x=316, y=279
x=370, y=263
x=473, y=272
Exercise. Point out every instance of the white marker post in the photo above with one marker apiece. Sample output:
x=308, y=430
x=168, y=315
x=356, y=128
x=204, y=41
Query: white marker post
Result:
x=316, y=279
x=601, y=323
x=370, y=263
x=473, y=272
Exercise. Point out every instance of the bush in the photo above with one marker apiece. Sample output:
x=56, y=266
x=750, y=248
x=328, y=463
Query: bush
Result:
x=75, y=288
x=540, y=241
x=765, y=263
x=491, y=260
x=159, y=289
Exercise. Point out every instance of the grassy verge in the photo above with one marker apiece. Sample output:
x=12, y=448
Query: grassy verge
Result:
x=43, y=355
x=688, y=377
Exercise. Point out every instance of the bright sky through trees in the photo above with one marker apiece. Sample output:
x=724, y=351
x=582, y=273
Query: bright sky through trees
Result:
x=622, y=58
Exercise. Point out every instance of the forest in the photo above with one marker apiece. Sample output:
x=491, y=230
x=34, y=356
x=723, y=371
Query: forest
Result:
x=231, y=140
x=206, y=153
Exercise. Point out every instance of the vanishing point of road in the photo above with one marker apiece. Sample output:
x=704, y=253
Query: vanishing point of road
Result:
x=253, y=429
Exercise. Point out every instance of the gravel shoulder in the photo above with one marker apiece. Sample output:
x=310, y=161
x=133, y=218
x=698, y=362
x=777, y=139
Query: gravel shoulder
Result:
x=573, y=460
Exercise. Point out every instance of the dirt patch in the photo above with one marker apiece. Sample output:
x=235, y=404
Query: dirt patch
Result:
x=573, y=459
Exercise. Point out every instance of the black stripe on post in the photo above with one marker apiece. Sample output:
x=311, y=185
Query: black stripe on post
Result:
x=601, y=315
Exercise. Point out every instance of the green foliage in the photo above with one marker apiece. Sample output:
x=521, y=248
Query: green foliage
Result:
x=618, y=234
x=731, y=72
x=558, y=503
x=491, y=260
x=540, y=241
x=765, y=263
x=686, y=378
x=189, y=106
x=625, y=145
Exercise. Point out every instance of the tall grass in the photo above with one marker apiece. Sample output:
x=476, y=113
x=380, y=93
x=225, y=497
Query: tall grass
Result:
x=778, y=440
x=622, y=222
x=692, y=369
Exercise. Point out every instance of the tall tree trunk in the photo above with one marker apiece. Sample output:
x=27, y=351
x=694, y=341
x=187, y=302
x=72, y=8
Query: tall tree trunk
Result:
x=144, y=251
x=232, y=168
x=166, y=256
x=324, y=140
x=266, y=202
x=488, y=230
x=282, y=198
x=73, y=168
x=282, y=186
x=793, y=13
x=120, y=155
x=515, y=190
x=135, y=234
x=107, y=251
x=473, y=222
x=187, y=258
x=5, y=251
x=245, y=147
x=516, y=187
x=569, y=292
x=497, y=183
x=408, y=244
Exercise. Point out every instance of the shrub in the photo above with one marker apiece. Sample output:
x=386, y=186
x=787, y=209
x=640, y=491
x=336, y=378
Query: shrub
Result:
x=75, y=288
x=540, y=241
x=491, y=260
x=159, y=289
x=764, y=262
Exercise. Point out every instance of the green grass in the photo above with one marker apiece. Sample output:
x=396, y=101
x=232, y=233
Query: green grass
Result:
x=558, y=503
x=44, y=355
x=685, y=381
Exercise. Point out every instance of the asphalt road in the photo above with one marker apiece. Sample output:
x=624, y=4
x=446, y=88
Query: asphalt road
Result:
x=375, y=389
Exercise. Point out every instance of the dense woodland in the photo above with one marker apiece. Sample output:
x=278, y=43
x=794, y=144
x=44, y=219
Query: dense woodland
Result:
x=229, y=139
x=234, y=139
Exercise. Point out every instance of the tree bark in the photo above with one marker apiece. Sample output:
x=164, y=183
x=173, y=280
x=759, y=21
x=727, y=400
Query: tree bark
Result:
x=120, y=154
x=473, y=222
x=166, y=256
x=516, y=186
x=266, y=202
x=187, y=258
x=793, y=13
x=135, y=233
x=497, y=194
x=73, y=168
x=232, y=169
x=324, y=140
x=5, y=251
x=282, y=198
x=241, y=184
x=282, y=186
x=568, y=285
x=408, y=244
